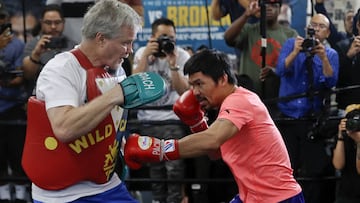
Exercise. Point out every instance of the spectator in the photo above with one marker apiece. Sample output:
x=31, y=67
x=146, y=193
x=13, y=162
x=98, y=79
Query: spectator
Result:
x=75, y=124
x=247, y=38
x=336, y=36
x=12, y=111
x=233, y=8
x=349, y=54
x=345, y=158
x=243, y=134
x=74, y=11
x=161, y=55
x=45, y=46
x=306, y=71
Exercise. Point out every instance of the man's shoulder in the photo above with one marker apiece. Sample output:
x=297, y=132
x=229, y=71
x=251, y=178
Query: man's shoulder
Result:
x=331, y=52
x=140, y=50
x=16, y=42
x=182, y=52
x=344, y=44
x=290, y=32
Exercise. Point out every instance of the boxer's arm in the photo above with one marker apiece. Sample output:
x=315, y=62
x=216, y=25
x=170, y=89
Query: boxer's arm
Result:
x=188, y=109
x=69, y=123
x=208, y=141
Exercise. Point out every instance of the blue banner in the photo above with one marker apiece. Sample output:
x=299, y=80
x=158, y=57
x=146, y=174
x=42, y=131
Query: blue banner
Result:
x=192, y=18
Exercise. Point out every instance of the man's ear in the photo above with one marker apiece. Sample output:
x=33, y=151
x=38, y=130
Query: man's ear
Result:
x=99, y=38
x=223, y=80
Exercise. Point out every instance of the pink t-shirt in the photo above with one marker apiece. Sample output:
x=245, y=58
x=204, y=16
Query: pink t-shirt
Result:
x=256, y=155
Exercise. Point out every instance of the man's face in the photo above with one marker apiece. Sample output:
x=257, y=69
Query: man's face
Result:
x=348, y=22
x=52, y=24
x=113, y=51
x=205, y=90
x=165, y=30
x=321, y=26
x=272, y=12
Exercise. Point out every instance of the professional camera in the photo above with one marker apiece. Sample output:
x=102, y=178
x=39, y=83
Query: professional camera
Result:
x=353, y=120
x=310, y=42
x=56, y=43
x=166, y=45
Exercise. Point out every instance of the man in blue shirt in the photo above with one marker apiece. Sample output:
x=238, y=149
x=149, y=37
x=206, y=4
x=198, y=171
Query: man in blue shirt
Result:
x=306, y=66
x=292, y=69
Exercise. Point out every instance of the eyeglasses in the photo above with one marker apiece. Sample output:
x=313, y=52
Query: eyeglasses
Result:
x=52, y=22
x=318, y=25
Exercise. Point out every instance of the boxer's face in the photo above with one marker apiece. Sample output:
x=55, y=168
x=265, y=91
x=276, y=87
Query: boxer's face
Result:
x=206, y=90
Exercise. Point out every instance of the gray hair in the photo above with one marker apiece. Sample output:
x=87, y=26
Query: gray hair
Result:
x=107, y=17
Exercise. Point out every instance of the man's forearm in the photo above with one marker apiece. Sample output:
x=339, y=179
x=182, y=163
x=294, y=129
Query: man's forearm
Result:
x=234, y=29
x=327, y=68
x=216, y=13
x=290, y=59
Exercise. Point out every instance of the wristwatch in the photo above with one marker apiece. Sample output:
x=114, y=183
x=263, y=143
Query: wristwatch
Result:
x=175, y=68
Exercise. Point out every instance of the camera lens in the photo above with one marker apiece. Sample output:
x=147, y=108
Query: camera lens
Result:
x=168, y=47
x=353, y=120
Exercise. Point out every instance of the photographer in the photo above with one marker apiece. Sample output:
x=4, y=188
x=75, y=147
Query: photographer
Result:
x=161, y=55
x=349, y=55
x=346, y=156
x=42, y=48
x=306, y=66
x=12, y=104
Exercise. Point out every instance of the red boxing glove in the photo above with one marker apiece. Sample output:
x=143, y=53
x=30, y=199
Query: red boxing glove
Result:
x=143, y=149
x=187, y=108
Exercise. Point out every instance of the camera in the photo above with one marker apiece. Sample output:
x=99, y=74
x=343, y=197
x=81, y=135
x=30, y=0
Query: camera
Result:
x=353, y=120
x=310, y=42
x=166, y=45
x=56, y=43
x=5, y=26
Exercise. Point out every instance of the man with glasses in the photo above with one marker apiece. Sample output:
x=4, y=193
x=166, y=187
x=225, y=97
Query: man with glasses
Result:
x=50, y=42
x=335, y=35
x=307, y=65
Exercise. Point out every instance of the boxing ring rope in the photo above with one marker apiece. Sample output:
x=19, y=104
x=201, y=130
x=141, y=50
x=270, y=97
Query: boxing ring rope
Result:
x=133, y=123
